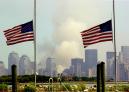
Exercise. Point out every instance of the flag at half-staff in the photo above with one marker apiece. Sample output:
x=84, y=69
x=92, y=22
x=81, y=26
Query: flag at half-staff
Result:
x=99, y=33
x=20, y=33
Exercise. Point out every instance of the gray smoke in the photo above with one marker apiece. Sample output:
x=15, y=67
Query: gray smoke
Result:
x=70, y=18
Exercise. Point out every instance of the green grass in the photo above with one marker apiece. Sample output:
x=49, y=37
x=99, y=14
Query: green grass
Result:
x=3, y=86
x=70, y=86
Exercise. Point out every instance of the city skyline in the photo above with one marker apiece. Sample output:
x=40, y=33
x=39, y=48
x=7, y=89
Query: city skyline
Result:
x=79, y=66
x=59, y=27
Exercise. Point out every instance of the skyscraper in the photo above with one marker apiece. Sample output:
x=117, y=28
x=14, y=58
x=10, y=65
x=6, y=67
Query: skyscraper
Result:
x=110, y=65
x=122, y=71
x=25, y=66
x=40, y=68
x=91, y=59
x=124, y=63
x=77, y=64
x=13, y=58
x=125, y=54
x=50, y=67
x=2, y=69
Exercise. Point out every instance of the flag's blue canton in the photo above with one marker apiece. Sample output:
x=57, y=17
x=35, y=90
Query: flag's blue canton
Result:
x=27, y=27
x=107, y=26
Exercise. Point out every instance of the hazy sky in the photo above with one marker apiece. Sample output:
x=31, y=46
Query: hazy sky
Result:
x=59, y=23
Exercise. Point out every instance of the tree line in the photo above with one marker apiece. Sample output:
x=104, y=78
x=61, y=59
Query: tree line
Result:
x=44, y=79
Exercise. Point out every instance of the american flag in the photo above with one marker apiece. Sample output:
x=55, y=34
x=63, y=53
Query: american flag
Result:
x=99, y=33
x=20, y=33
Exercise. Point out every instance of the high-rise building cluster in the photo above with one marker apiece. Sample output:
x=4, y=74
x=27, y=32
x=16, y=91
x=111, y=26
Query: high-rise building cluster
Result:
x=79, y=67
x=87, y=67
x=24, y=65
x=122, y=64
x=50, y=69
x=82, y=68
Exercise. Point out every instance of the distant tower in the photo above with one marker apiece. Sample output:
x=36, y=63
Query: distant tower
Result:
x=13, y=58
x=91, y=59
x=110, y=65
x=123, y=74
x=50, y=67
x=49, y=64
x=2, y=69
x=25, y=66
x=125, y=54
x=77, y=64
x=124, y=66
x=40, y=68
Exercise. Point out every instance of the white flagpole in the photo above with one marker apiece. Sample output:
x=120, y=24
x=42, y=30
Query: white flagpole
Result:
x=115, y=53
x=34, y=28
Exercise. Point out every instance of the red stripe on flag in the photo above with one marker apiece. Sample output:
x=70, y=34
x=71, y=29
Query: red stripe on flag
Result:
x=97, y=41
x=97, y=34
x=19, y=41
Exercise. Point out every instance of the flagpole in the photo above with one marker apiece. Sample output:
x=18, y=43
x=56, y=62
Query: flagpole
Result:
x=115, y=54
x=34, y=24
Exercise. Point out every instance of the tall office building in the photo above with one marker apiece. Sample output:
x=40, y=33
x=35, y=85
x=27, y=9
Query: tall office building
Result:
x=122, y=72
x=32, y=65
x=91, y=59
x=25, y=66
x=40, y=68
x=2, y=69
x=110, y=65
x=50, y=67
x=125, y=54
x=76, y=64
x=13, y=58
x=124, y=63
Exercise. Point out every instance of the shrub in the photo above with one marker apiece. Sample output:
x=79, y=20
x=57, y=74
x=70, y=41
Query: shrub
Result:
x=81, y=87
x=3, y=86
x=29, y=88
x=123, y=87
x=110, y=88
x=75, y=88
x=66, y=87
